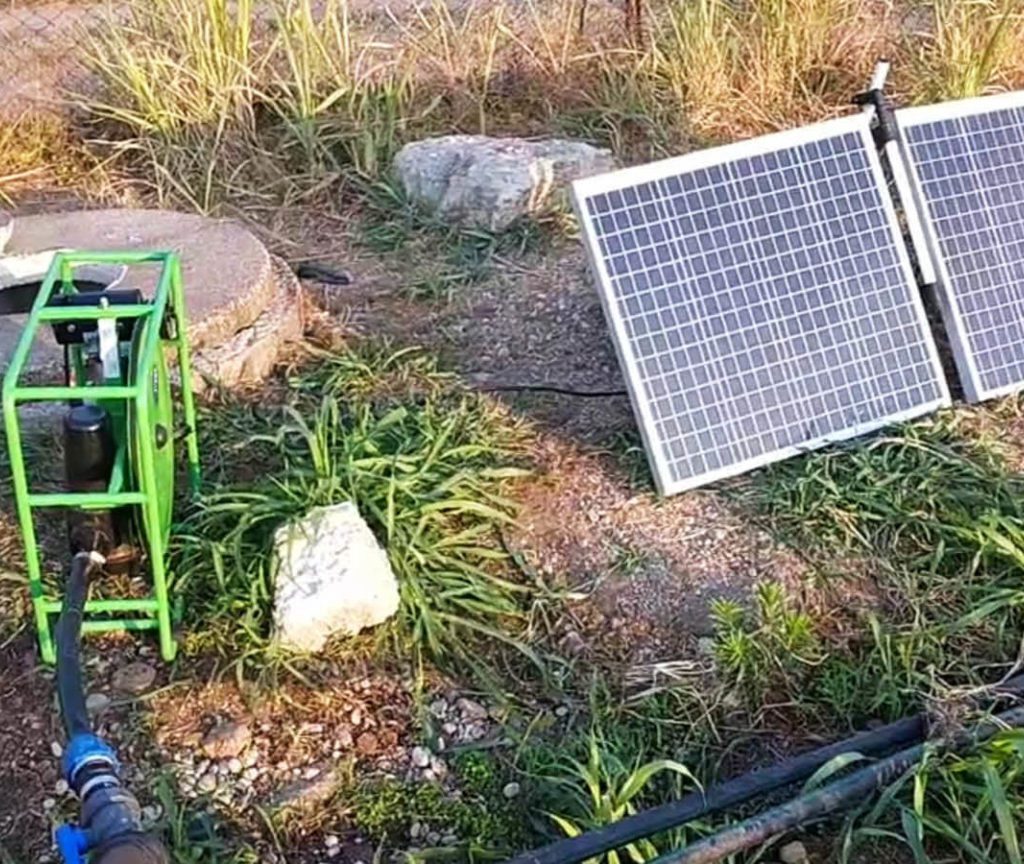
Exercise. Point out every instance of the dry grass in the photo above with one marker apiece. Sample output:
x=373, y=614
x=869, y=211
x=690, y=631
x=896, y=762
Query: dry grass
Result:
x=211, y=98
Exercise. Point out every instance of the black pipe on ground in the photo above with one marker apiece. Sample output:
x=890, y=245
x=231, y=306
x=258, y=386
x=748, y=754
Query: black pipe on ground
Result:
x=70, y=692
x=834, y=796
x=740, y=789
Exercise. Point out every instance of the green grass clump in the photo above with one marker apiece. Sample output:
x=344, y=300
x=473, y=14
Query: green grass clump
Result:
x=937, y=523
x=969, y=805
x=772, y=649
x=425, y=463
x=386, y=810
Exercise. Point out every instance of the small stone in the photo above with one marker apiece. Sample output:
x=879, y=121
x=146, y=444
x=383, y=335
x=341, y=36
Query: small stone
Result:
x=440, y=744
x=226, y=740
x=471, y=710
x=251, y=774
x=356, y=716
x=367, y=744
x=344, y=738
x=794, y=853
x=150, y=813
x=450, y=839
x=331, y=841
x=60, y=787
x=305, y=793
x=250, y=758
x=439, y=708
x=207, y=783
x=56, y=749
x=562, y=711
x=511, y=790
x=333, y=851
x=97, y=703
x=310, y=773
x=235, y=766
x=450, y=728
x=134, y=678
x=415, y=830
x=420, y=757
x=433, y=838
x=49, y=803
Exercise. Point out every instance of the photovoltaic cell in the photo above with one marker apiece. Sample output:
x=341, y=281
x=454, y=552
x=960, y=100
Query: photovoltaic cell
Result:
x=760, y=299
x=967, y=162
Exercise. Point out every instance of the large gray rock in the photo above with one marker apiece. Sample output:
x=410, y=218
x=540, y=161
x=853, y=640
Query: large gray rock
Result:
x=331, y=577
x=477, y=181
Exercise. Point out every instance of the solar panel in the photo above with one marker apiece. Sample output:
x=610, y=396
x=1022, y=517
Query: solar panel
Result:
x=967, y=162
x=760, y=299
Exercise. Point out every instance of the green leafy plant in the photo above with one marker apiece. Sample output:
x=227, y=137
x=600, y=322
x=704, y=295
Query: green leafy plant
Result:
x=425, y=464
x=605, y=789
x=969, y=804
x=772, y=646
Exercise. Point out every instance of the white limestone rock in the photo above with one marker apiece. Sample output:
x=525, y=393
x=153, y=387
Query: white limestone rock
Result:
x=331, y=577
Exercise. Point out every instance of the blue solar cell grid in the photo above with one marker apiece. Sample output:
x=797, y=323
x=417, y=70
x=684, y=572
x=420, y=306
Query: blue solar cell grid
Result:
x=970, y=173
x=762, y=304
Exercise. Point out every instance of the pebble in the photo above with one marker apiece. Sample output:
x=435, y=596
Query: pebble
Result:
x=794, y=853
x=306, y=792
x=449, y=728
x=562, y=711
x=331, y=841
x=56, y=749
x=61, y=787
x=251, y=774
x=511, y=790
x=97, y=703
x=356, y=717
x=151, y=812
x=207, y=783
x=311, y=773
x=344, y=738
x=235, y=765
x=134, y=678
x=415, y=830
x=367, y=744
x=250, y=758
x=49, y=803
x=471, y=710
x=420, y=757
x=226, y=740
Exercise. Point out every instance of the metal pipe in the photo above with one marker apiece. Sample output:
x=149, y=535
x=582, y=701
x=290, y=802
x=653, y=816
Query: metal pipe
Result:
x=893, y=150
x=834, y=796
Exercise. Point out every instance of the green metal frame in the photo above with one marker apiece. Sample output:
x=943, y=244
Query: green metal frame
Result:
x=153, y=612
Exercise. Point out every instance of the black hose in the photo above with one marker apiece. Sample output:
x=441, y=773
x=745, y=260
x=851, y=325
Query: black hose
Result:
x=834, y=796
x=736, y=791
x=697, y=804
x=70, y=692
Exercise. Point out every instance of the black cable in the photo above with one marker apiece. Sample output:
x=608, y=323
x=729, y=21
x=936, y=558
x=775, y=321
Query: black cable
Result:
x=855, y=787
x=70, y=692
x=548, y=388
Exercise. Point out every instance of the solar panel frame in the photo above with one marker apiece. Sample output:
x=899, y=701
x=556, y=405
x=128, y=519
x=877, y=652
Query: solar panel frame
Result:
x=586, y=188
x=949, y=303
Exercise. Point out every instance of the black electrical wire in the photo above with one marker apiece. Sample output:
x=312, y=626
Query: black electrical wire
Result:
x=70, y=692
x=548, y=388
x=827, y=799
x=736, y=791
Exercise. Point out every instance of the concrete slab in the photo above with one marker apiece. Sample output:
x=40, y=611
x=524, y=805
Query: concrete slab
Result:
x=229, y=276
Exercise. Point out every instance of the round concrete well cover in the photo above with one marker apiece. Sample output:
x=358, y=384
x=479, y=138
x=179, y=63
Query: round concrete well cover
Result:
x=228, y=275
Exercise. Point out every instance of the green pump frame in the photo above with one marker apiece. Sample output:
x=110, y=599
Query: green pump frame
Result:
x=168, y=301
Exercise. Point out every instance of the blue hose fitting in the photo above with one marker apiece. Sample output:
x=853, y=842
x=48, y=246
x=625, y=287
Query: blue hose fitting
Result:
x=109, y=811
